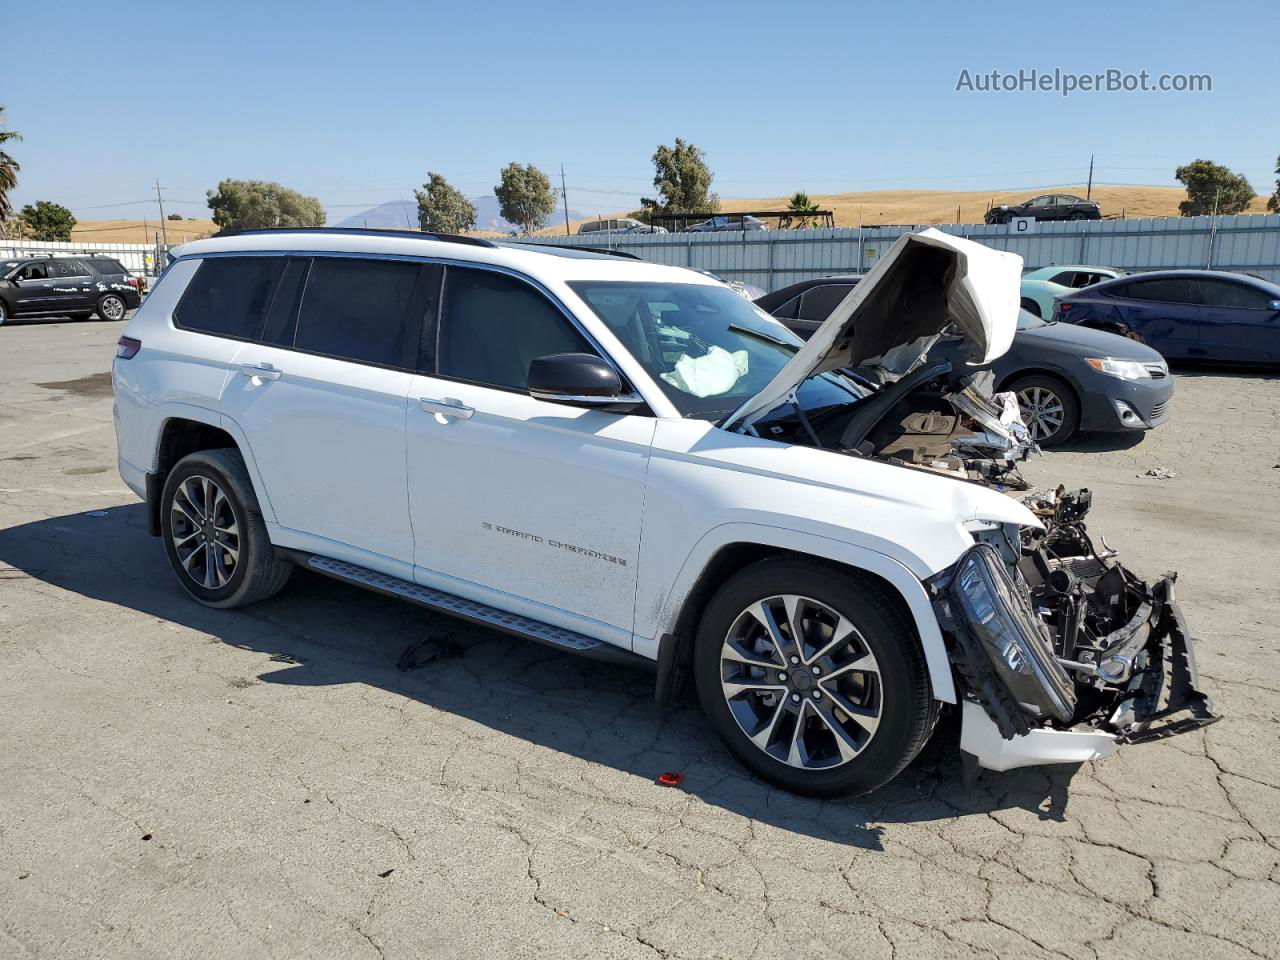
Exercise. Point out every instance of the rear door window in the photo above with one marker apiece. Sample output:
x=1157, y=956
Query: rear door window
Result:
x=817, y=303
x=368, y=311
x=229, y=296
x=64, y=267
x=1163, y=290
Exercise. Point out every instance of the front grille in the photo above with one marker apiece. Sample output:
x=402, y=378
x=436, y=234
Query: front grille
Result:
x=1158, y=410
x=1158, y=371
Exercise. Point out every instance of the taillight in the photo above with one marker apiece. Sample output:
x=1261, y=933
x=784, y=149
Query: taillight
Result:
x=127, y=348
x=1060, y=311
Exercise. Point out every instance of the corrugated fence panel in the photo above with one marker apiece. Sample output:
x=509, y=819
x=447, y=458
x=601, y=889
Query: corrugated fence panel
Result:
x=775, y=258
x=138, y=258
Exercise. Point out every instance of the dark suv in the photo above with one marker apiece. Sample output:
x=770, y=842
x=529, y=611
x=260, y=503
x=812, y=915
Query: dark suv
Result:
x=74, y=287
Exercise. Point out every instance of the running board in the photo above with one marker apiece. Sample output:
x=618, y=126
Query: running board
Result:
x=472, y=611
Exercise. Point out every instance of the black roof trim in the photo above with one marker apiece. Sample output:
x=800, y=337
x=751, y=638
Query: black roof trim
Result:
x=361, y=231
x=553, y=247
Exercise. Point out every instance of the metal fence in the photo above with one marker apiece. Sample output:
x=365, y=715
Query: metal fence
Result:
x=774, y=258
x=141, y=259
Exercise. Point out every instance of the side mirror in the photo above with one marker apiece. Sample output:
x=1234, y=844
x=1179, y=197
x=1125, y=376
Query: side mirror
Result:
x=579, y=378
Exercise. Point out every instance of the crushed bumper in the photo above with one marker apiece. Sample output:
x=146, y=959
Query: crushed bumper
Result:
x=1161, y=699
x=1062, y=654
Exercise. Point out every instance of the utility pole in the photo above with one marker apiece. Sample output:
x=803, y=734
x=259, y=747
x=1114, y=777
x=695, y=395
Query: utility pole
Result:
x=160, y=200
x=1089, y=193
x=564, y=194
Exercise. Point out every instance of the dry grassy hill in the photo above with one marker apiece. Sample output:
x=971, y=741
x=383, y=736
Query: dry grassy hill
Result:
x=931, y=206
x=140, y=231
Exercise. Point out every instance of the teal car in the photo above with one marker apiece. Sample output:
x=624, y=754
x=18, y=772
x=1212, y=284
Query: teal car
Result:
x=1040, y=287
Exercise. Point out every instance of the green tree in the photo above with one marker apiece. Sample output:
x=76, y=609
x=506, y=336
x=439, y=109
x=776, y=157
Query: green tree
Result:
x=442, y=208
x=801, y=204
x=253, y=204
x=9, y=168
x=683, y=180
x=1273, y=204
x=48, y=221
x=525, y=197
x=1212, y=188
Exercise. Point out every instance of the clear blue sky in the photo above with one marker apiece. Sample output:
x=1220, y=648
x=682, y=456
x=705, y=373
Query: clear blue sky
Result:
x=354, y=102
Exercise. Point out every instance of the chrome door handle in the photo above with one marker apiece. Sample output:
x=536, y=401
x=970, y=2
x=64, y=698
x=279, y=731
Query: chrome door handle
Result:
x=260, y=371
x=448, y=407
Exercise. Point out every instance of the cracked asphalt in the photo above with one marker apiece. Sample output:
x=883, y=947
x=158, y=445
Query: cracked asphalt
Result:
x=181, y=782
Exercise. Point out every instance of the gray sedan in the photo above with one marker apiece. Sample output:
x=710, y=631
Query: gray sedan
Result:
x=1070, y=378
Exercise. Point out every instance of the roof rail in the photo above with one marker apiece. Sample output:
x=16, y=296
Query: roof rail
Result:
x=361, y=231
x=553, y=247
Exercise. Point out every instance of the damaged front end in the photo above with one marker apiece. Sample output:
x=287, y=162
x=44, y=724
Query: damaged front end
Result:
x=1062, y=652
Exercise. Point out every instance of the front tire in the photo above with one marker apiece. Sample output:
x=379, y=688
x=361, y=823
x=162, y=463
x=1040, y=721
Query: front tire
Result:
x=1049, y=409
x=4, y=313
x=111, y=307
x=213, y=532
x=813, y=677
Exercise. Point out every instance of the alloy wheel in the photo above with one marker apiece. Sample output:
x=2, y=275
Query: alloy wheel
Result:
x=1042, y=411
x=801, y=682
x=113, y=307
x=205, y=532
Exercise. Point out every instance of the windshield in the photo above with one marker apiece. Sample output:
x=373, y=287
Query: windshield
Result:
x=708, y=348
x=1028, y=320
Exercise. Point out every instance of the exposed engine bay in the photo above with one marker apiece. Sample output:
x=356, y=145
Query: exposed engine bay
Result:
x=1044, y=627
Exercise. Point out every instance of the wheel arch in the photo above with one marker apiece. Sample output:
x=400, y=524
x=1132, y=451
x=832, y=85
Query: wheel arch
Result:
x=716, y=558
x=188, y=432
x=1040, y=371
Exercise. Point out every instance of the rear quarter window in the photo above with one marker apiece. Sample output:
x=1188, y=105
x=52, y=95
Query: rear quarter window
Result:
x=229, y=296
x=106, y=265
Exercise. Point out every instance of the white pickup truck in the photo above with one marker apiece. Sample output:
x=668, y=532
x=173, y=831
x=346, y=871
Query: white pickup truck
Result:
x=630, y=461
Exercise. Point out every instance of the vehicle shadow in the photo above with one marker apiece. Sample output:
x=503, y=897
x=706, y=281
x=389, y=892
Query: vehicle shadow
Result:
x=1189, y=368
x=1100, y=442
x=323, y=633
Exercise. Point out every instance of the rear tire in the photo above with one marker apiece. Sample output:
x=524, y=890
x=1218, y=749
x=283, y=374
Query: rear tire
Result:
x=1049, y=409
x=1032, y=308
x=213, y=532
x=4, y=313
x=779, y=717
x=111, y=307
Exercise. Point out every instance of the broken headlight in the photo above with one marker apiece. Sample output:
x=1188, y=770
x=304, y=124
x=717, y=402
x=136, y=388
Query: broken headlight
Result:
x=999, y=616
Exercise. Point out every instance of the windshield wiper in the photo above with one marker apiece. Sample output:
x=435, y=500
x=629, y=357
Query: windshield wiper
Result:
x=763, y=336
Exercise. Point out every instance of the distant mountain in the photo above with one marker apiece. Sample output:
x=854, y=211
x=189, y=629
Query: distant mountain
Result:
x=399, y=214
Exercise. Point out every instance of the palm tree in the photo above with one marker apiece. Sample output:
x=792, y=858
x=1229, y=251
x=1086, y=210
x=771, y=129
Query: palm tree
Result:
x=8, y=170
x=801, y=204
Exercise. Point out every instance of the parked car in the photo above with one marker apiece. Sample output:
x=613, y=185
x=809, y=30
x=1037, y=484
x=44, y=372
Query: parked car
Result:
x=747, y=290
x=1185, y=314
x=1065, y=378
x=74, y=287
x=1041, y=287
x=727, y=222
x=618, y=225
x=1050, y=206
x=629, y=461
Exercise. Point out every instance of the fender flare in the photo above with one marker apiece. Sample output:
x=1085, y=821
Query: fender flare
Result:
x=212, y=418
x=906, y=583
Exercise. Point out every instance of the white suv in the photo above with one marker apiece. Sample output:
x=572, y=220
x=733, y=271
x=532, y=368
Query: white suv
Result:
x=631, y=461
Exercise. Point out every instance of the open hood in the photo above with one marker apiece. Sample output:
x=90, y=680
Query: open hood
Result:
x=927, y=281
